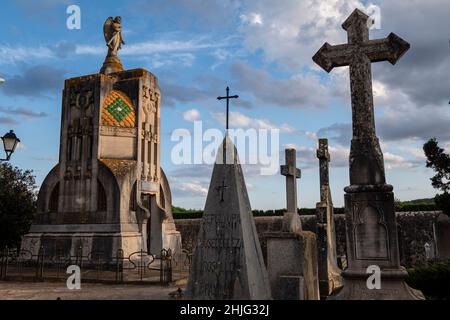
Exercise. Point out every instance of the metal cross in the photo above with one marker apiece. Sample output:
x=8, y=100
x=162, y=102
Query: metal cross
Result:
x=222, y=188
x=228, y=97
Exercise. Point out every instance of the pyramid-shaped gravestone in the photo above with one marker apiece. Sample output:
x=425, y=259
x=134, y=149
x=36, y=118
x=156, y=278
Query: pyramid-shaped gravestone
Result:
x=228, y=263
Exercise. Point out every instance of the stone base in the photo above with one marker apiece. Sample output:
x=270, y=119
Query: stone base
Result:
x=332, y=283
x=393, y=287
x=172, y=241
x=291, y=257
x=88, y=244
x=292, y=287
x=112, y=64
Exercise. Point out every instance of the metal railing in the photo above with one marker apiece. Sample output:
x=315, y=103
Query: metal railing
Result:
x=96, y=266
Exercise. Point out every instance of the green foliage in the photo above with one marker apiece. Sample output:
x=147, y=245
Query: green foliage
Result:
x=181, y=213
x=17, y=204
x=439, y=161
x=432, y=279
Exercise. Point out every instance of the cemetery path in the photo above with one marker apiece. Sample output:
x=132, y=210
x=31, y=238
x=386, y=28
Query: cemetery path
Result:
x=89, y=291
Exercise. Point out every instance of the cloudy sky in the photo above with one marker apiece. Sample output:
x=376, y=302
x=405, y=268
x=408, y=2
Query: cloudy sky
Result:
x=262, y=49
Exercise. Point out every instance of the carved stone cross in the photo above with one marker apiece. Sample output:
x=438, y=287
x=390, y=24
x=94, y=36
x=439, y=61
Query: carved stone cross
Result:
x=291, y=173
x=371, y=227
x=366, y=158
x=324, y=160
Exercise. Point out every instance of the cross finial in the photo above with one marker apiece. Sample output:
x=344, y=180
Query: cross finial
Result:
x=322, y=152
x=228, y=97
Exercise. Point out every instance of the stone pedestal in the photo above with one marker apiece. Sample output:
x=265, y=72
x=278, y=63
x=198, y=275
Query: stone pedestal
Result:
x=111, y=64
x=372, y=241
x=442, y=234
x=292, y=265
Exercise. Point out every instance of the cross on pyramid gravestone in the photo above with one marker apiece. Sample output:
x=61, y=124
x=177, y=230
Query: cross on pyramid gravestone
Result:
x=228, y=262
x=369, y=201
x=329, y=273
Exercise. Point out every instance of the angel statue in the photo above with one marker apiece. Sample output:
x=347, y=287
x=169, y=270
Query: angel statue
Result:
x=113, y=35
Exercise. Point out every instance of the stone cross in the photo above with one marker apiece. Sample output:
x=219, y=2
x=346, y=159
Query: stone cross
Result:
x=371, y=228
x=366, y=158
x=292, y=173
x=324, y=160
x=329, y=272
x=228, y=97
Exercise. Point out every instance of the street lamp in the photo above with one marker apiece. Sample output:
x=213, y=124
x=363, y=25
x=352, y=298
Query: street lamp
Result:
x=10, y=142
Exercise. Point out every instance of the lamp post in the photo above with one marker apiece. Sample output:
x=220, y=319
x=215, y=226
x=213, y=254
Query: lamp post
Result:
x=10, y=142
x=10, y=139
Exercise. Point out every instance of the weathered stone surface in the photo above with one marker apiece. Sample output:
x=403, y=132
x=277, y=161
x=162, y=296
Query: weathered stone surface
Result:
x=329, y=273
x=416, y=230
x=228, y=263
x=442, y=232
x=292, y=265
x=369, y=201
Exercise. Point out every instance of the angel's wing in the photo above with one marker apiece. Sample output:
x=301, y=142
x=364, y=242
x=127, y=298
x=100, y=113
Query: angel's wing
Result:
x=107, y=29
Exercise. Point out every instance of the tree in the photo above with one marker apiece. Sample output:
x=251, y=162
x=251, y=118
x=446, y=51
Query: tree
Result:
x=439, y=161
x=17, y=204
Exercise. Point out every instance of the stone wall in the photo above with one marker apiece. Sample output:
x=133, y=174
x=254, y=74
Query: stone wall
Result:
x=415, y=229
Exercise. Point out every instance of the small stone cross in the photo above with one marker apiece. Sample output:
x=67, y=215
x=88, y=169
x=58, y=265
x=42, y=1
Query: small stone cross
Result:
x=290, y=171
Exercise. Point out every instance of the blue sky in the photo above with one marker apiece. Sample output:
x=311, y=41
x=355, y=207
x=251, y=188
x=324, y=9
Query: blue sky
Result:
x=263, y=52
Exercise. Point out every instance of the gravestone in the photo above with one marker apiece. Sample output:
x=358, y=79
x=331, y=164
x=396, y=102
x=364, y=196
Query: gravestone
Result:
x=108, y=191
x=442, y=235
x=292, y=252
x=228, y=262
x=291, y=219
x=329, y=273
x=369, y=202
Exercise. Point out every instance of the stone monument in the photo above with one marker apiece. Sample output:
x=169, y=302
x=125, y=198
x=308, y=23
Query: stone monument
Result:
x=329, y=273
x=292, y=252
x=108, y=191
x=228, y=262
x=369, y=202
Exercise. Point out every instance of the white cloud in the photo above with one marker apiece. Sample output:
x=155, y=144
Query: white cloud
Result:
x=10, y=54
x=191, y=115
x=178, y=49
x=194, y=188
x=240, y=120
x=252, y=18
x=291, y=30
